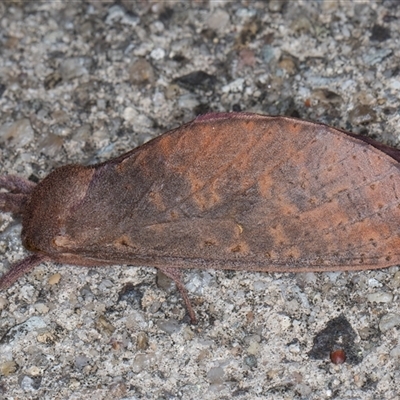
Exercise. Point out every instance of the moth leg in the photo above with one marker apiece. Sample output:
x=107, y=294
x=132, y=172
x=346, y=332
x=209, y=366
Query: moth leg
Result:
x=19, y=269
x=176, y=276
x=18, y=191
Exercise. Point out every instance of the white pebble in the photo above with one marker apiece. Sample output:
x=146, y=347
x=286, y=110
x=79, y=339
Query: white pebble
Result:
x=374, y=283
x=380, y=297
x=143, y=362
x=169, y=326
x=218, y=20
x=389, y=321
x=130, y=114
x=18, y=133
x=157, y=54
x=395, y=352
x=234, y=87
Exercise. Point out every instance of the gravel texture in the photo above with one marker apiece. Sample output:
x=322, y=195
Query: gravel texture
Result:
x=81, y=82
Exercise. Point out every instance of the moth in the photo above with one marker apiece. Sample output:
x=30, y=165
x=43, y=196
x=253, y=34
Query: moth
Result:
x=235, y=191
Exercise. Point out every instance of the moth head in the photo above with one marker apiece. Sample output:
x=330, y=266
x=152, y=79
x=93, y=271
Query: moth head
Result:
x=51, y=204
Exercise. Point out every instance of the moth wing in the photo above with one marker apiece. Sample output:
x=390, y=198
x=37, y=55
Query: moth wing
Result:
x=270, y=194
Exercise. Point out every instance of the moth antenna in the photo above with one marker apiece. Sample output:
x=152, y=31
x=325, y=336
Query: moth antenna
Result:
x=12, y=202
x=16, y=184
x=176, y=276
x=19, y=269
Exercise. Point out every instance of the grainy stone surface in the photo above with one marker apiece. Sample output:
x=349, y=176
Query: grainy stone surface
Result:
x=86, y=81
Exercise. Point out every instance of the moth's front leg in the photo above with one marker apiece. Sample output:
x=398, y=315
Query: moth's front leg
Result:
x=19, y=190
x=19, y=269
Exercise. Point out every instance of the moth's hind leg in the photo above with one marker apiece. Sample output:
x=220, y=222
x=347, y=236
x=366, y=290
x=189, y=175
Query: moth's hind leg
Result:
x=176, y=276
x=18, y=191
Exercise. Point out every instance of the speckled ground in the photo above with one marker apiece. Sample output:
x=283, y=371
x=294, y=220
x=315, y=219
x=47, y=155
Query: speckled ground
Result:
x=86, y=81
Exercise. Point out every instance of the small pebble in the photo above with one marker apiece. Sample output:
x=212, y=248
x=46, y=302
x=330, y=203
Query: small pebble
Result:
x=234, y=86
x=367, y=332
x=34, y=370
x=247, y=58
x=169, y=326
x=252, y=339
x=188, y=101
x=268, y=53
x=250, y=361
x=103, y=325
x=326, y=96
x=374, y=283
x=396, y=279
x=375, y=56
x=54, y=279
x=188, y=334
x=142, y=341
x=218, y=20
x=118, y=13
x=198, y=280
x=3, y=303
x=2, y=89
x=81, y=361
x=275, y=5
x=117, y=390
x=294, y=348
x=104, y=285
x=395, y=352
x=172, y=91
x=380, y=297
x=302, y=24
x=50, y=145
x=164, y=282
x=52, y=80
x=196, y=79
x=61, y=130
x=143, y=362
x=75, y=67
x=32, y=324
x=86, y=292
x=288, y=65
x=362, y=114
x=215, y=375
x=30, y=384
x=8, y=368
x=41, y=308
x=18, y=133
x=82, y=133
x=338, y=356
x=46, y=337
x=389, y=321
x=115, y=12
x=157, y=54
x=130, y=114
x=259, y=286
x=305, y=279
x=379, y=33
x=304, y=390
x=131, y=294
x=253, y=348
x=140, y=72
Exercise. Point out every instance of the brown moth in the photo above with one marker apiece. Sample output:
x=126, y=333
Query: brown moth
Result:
x=234, y=191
